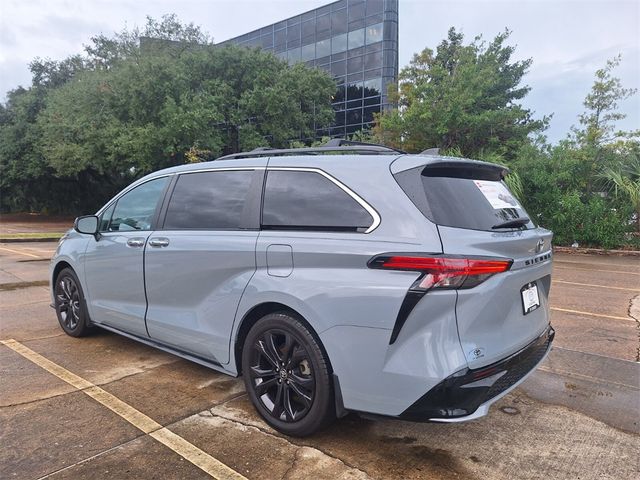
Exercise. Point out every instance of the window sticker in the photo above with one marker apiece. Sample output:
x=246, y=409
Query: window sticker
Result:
x=497, y=194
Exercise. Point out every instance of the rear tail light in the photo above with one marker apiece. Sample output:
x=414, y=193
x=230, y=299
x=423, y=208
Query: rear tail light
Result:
x=442, y=271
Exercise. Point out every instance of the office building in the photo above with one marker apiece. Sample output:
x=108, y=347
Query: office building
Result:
x=356, y=41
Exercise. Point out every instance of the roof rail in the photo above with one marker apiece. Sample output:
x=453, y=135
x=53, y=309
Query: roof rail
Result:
x=335, y=145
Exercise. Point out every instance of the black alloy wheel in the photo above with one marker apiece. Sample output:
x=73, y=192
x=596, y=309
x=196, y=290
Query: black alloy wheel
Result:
x=281, y=373
x=69, y=304
x=287, y=375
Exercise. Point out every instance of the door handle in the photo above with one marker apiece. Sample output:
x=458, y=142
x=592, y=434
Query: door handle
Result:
x=159, y=242
x=136, y=242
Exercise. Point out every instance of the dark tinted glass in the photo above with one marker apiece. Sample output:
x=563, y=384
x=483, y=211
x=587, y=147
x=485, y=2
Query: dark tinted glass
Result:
x=208, y=201
x=135, y=209
x=105, y=218
x=462, y=198
x=308, y=200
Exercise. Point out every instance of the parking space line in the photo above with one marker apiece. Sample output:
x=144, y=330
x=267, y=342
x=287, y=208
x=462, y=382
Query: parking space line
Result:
x=595, y=264
x=598, y=270
x=19, y=252
x=578, y=312
x=182, y=447
x=606, y=287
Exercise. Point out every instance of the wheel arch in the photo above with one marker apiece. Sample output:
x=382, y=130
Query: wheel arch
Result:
x=259, y=311
x=61, y=265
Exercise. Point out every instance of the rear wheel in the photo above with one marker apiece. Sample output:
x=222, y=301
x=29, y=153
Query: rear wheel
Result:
x=70, y=304
x=287, y=375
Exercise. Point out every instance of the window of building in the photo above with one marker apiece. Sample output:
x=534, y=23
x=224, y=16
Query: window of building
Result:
x=372, y=87
x=339, y=68
x=293, y=55
x=356, y=11
x=136, y=208
x=373, y=60
x=339, y=22
x=354, y=116
x=308, y=52
x=323, y=23
x=374, y=7
x=323, y=48
x=356, y=38
x=374, y=33
x=208, y=201
x=354, y=64
x=309, y=201
x=339, y=43
x=309, y=28
x=293, y=33
x=280, y=37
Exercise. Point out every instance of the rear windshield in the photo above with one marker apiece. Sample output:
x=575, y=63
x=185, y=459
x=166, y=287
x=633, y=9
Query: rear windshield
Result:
x=459, y=197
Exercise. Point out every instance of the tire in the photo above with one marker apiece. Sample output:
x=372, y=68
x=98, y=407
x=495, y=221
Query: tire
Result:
x=70, y=304
x=297, y=400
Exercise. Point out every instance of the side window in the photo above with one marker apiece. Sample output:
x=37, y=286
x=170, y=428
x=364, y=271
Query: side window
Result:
x=209, y=200
x=105, y=218
x=135, y=209
x=310, y=201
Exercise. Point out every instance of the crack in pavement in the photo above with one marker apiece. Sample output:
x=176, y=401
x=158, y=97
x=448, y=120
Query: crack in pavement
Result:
x=633, y=310
x=92, y=457
x=296, y=458
x=286, y=439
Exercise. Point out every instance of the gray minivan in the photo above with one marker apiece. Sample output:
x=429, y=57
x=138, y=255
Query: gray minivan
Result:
x=338, y=278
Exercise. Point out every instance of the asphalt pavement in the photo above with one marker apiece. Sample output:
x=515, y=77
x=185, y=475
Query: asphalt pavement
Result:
x=107, y=407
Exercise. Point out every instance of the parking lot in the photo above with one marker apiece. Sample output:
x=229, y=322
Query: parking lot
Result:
x=105, y=406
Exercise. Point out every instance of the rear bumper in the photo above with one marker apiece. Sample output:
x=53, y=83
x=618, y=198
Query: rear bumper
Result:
x=467, y=394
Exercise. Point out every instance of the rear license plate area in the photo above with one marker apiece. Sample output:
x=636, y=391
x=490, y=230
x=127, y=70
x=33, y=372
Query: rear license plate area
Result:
x=530, y=297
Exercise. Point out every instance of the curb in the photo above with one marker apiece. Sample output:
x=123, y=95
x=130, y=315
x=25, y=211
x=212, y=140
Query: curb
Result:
x=597, y=251
x=30, y=240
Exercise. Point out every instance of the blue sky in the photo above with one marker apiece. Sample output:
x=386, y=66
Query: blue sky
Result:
x=567, y=39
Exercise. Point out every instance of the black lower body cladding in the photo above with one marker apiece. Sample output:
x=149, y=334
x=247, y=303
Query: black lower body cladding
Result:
x=462, y=393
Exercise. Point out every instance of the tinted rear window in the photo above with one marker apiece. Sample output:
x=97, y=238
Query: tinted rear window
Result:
x=310, y=201
x=209, y=201
x=462, y=197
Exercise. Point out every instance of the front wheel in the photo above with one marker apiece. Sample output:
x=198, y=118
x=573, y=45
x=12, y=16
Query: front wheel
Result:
x=70, y=304
x=287, y=375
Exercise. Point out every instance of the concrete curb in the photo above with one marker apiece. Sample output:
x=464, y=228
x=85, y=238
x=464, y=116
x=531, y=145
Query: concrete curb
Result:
x=597, y=251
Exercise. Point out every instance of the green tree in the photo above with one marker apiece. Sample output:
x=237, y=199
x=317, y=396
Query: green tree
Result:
x=624, y=177
x=596, y=140
x=461, y=96
x=90, y=124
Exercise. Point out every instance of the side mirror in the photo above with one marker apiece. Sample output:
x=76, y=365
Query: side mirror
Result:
x=86, y=224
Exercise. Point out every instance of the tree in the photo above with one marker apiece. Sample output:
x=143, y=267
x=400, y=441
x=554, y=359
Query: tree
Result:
x=596, y=140
x=91, y=124
x=625, y=179
x=461, y=96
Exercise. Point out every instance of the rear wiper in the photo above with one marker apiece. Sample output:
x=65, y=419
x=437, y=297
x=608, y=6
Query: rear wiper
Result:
x=518, y=222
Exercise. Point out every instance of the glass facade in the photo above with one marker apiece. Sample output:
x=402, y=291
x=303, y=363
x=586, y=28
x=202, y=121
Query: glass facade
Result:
x=356, y=41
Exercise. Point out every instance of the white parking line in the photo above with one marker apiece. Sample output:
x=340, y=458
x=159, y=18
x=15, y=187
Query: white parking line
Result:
x=579, y=312
x=182, y=447
x=595, y=264
x=595, y=271
x=20, y=252
x=606, y=287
